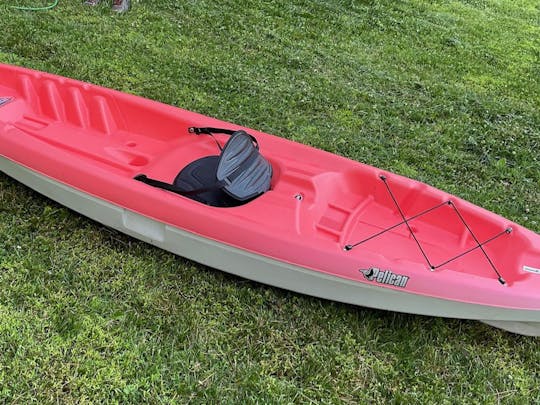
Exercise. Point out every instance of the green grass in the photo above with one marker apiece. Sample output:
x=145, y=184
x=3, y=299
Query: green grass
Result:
x=447, y=92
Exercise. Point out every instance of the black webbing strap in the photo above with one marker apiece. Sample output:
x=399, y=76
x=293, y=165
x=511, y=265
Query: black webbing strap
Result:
x=170, y=187
x=211, y=131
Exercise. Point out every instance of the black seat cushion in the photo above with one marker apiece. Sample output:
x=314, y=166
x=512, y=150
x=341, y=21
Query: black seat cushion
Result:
x=202, y=173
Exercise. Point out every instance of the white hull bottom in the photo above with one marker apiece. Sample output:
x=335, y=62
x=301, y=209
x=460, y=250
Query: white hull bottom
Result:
x=521, y=328
x=263, y=269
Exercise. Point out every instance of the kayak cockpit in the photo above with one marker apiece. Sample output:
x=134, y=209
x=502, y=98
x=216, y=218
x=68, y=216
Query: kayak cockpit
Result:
x=236, y=176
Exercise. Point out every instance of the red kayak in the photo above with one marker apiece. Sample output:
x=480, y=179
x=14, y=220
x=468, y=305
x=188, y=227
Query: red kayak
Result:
x=266, y=208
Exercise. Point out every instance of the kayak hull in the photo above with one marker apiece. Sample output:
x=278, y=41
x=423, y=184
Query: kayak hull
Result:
x=329, y=227
x=262, y=269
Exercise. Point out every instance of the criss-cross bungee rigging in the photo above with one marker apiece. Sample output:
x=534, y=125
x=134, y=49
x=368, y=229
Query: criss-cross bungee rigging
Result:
x=406, y=221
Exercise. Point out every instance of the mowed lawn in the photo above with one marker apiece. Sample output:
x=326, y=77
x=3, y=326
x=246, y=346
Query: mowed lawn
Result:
x=446, y=92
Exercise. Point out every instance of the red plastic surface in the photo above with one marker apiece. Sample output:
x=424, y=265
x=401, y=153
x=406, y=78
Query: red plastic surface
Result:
x=97, y=140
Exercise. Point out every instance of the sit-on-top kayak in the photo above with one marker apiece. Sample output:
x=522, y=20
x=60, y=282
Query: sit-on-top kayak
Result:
x=266, y=208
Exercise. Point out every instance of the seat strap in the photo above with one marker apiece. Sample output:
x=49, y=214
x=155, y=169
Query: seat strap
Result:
x=211, y=131
x=170, y=187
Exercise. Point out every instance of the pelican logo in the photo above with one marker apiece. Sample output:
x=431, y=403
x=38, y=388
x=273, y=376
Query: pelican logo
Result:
x=385, y=277
x=5, y=100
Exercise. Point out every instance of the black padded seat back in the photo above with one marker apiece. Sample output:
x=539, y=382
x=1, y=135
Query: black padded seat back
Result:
x=243, y=170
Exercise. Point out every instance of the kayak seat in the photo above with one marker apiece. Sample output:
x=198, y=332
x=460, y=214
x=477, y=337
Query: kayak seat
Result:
x=236, y=176
x=199, y=174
